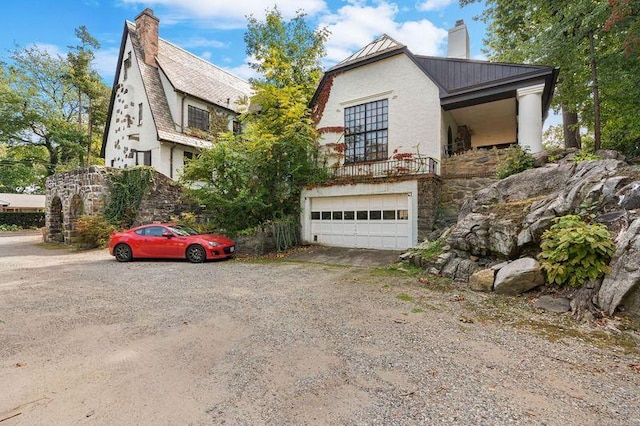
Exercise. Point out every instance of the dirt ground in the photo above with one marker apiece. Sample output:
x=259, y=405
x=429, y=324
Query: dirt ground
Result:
x=87, y=340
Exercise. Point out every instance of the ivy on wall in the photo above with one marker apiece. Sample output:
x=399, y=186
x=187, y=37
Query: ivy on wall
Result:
x=127, y=189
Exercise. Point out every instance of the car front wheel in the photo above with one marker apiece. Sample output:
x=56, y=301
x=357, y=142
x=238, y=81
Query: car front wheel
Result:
x=196, y=254
x=122, y=252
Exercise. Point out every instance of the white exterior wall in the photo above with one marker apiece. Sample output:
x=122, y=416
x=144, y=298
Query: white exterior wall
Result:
x=414, y=104
x=173, y=99
x=410, y=188
x=121, y=139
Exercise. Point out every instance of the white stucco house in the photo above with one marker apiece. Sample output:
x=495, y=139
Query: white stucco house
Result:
x=387, y=117
x=166, y=102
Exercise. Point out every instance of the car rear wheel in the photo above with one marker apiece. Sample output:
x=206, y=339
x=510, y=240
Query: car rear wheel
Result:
x=196, y=254
x=122, y=252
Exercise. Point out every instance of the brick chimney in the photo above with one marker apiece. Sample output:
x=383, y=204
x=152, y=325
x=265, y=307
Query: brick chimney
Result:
x=458, y=45
x=147, y=26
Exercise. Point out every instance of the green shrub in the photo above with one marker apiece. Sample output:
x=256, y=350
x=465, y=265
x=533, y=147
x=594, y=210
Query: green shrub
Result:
x=516, y=161
x=584, y=155
x=93, y=231
x=4, y=227
x=574, y=251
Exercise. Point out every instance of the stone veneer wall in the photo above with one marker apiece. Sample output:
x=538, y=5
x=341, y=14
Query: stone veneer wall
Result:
x=429, y=194
x=166, y=198
x=462, y=176
x=88, y=185
x=86, y=192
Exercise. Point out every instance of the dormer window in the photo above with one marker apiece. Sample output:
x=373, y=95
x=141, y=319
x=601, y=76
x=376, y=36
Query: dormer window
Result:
x=127, y=65
x=198, y=118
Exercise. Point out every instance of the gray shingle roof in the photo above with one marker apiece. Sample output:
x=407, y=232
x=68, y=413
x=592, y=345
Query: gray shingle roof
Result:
x=191, y=75
x=199, y=78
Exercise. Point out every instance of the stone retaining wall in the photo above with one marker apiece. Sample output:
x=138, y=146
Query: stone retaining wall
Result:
x=86, y=192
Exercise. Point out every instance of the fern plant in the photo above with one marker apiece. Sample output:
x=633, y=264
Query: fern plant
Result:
x=574, y=251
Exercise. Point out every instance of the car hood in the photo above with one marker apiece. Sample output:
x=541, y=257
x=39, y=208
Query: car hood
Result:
x=220, y=239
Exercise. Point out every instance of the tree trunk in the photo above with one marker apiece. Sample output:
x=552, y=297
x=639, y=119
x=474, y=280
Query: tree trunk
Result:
x=596, y=95
x=571, y=128
x=582, y=306
x=89, y=118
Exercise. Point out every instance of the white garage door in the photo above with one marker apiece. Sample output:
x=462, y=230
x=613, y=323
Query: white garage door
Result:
x=371, y=221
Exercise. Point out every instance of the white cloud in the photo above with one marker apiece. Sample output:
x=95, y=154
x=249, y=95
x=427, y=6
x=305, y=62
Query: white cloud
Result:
x=227, y=14
x=243, y=71
x=355, y=25
x=53, y=50
x=105, y=62
x=206, y=56
x=431, y=5
x=196, y=42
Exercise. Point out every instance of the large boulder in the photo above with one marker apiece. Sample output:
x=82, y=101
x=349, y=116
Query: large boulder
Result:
x=482, y=280
x=518, y=277
x=625, y=270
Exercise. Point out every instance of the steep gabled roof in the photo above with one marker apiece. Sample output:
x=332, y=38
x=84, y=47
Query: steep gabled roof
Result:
x=381, y=46
x=188, y=74
x=196, y=77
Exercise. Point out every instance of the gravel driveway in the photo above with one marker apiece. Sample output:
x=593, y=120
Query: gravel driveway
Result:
x=87, y=340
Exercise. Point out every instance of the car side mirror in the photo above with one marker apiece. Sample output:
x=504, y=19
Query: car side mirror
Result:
x=167, y=234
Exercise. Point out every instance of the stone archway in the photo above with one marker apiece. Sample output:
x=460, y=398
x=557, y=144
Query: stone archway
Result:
x=76, y=209
x=56, y=221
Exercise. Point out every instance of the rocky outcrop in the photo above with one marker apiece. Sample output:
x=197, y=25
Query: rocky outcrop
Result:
x=506, y=220
x=625, y=270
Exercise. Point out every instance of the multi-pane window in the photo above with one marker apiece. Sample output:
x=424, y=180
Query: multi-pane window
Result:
x=198, y=118
x=237, y=127
x=139, y=114
x=366, y=131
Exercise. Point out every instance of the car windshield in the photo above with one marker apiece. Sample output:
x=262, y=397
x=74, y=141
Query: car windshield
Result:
x=183, y=230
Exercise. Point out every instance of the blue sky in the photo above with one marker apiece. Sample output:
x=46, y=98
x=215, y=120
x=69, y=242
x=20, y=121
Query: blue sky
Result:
x=213, y=29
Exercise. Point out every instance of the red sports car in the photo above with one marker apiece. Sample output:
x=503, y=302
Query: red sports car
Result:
x=169, y=240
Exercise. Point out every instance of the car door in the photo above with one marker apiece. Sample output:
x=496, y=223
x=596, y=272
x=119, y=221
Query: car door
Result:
x=157, y=244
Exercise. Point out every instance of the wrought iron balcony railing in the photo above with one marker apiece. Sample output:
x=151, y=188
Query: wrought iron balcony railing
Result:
x=406, y=166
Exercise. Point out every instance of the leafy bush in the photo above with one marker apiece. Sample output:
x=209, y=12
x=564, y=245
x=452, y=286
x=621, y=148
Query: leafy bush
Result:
x=516, y=161
x=4, y=227
x=23, y=220
x=93, y=231
x=584, y=155
x=574, y=251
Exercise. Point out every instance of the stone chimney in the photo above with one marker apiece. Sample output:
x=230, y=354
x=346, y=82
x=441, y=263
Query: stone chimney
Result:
x=147, y=26
x=458, y=46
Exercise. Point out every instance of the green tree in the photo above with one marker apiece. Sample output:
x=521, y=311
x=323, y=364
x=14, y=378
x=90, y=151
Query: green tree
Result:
x=22, y=169
x=258, y=175
x=599, y=85
x=91, y=91
x=40, y=106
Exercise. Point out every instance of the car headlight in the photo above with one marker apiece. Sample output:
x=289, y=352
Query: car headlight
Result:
x=213, y=244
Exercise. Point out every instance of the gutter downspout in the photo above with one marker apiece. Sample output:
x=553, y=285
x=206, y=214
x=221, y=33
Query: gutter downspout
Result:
x=173, y=146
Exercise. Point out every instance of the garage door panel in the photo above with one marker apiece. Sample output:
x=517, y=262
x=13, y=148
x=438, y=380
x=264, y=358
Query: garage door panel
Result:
x=376, y=221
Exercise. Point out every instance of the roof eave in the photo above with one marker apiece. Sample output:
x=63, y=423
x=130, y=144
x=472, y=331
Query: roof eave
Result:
x=116, y=78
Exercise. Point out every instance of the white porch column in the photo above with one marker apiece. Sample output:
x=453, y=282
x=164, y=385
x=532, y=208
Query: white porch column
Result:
x=530, y=117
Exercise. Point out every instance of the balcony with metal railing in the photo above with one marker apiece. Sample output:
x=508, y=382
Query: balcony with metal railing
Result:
x=415, y=165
